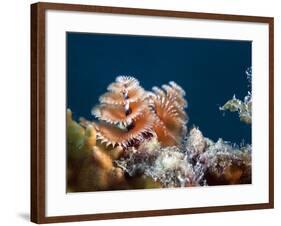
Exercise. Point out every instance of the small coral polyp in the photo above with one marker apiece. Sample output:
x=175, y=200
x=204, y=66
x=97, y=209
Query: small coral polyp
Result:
x=127, y=114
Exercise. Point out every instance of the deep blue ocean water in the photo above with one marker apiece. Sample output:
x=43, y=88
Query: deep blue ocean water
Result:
x=210, y=71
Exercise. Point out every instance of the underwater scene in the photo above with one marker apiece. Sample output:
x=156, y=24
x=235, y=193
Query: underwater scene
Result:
x=157, y=112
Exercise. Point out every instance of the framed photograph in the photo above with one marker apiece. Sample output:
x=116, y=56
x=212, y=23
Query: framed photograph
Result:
x=141, y=112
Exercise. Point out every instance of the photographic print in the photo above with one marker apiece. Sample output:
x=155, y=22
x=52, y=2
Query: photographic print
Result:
x=157, y=112
x=146, y=104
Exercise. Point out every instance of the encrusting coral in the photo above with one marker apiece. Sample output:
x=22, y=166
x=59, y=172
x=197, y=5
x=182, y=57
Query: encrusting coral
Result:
x=197, y=162
x=140, y=140
x=227, y=164
x=90, y=167
x=99, y=173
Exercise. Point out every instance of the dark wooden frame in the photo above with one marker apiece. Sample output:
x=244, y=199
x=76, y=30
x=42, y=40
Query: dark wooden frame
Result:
x=38, y=22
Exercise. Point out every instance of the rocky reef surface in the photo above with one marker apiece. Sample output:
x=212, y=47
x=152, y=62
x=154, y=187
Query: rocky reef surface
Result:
x=140, y=139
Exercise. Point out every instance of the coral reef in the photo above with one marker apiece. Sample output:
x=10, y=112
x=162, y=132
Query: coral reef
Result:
x=197, y=162
x=167, y=165
x=140, y=140
x=226, y=164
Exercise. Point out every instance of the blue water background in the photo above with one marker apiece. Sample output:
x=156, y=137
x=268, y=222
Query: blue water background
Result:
x=210, y=71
